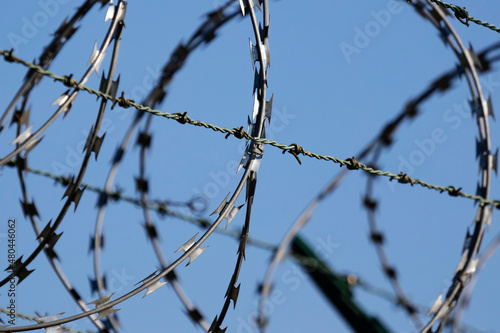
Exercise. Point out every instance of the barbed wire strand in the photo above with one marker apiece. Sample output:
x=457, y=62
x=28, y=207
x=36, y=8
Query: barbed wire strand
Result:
x=462, y=14
x=295, y=148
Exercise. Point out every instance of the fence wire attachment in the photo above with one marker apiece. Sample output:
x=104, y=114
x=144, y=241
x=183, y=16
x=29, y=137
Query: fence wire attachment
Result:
x=403, y=178
x=295, y=151
x=122, y=101
x=454, y=192
x=69, y=82
x=461, y=14
x=182, y=117
x=354, y=165
x=8, y=56
x=239, y=133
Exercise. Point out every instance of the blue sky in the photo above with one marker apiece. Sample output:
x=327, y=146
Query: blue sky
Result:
x=339, y=72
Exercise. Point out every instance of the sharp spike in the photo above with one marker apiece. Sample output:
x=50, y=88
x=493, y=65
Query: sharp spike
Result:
x=77, y=195
x=144, y=139
x=269, y=109
x=475, y=58
x=21, y=138
x=232, y=213
x=255, y=3
x=21, y=273
x=256, y=105
x=46, y=230
x=255, y=163
x=481, y=191
x=244, y=161
x=467, y=242
x=437, y=304
x=242, y=6
x=114, y=87
x=480, y=147
x=29, y=208
x=151, y=231
x=251, y=185
x=158, y=284
x=267, y=52
x=48, y=319
x=490, y=108
x=21, y=116
x=263, y=134
x=100, y=302
x=233, y=293
x=196, y=252
x=254, y=53
x=195, y=315
x=186, y=246
x=53, y=240
x=250, y=126
x=104, y=83
x=61, y=99
x=494, y=162
x=110, y=12
x=475, y=106
x=256, y=80
x=462, y=261
x=94, y=54
x=221, y=206
x=141, y=185
x=96, y=147
x=98, y=63
x=471, y=268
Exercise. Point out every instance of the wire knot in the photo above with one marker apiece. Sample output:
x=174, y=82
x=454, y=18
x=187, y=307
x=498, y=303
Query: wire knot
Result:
x=461, y=14
x=238, y=132
x=9, y=57
x=69, y=82
x=354, y=165
x=295, y=151
x=183, y=118
x=403, y=178
x=122, y=101
x=454, y=192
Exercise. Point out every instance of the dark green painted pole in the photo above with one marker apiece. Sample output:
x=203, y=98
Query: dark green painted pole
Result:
x=336, y=289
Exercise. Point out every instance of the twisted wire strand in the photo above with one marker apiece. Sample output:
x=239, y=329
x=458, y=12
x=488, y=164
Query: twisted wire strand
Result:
x=184, y=119
x=161, y=208
x=462, y=14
